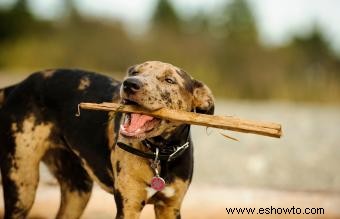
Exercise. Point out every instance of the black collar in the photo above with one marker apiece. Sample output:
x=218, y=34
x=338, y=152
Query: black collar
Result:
x=168, y=150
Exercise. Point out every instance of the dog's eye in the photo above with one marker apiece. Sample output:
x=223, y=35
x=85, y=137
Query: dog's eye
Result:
x=170, y=81
x=133, y=73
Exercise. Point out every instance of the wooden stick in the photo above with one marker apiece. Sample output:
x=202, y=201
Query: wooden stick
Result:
x=221, y=122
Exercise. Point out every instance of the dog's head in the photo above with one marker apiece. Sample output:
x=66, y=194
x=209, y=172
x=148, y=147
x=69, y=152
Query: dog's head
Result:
x=154, y=85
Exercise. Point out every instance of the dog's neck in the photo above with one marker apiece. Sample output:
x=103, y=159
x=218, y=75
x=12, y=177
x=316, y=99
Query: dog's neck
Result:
x=178, y=137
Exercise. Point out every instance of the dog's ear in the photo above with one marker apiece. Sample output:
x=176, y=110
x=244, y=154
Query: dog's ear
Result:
x=203, y=99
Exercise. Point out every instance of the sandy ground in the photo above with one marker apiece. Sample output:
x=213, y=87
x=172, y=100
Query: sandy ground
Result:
x=202, y=201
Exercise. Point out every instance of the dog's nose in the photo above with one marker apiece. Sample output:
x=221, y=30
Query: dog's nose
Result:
x=132, y=85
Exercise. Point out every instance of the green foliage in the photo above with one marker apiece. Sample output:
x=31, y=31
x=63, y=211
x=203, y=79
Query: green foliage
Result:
x=15, y=21
x=220, y=49
x=239, y=21
x=165, y=16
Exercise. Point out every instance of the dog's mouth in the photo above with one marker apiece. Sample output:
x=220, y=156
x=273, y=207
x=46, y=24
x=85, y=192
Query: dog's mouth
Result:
x=137, y=125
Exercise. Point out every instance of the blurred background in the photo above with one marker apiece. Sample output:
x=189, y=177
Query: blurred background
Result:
x=267, y=60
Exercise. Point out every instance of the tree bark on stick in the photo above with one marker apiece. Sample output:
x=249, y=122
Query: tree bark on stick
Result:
x=222, y=122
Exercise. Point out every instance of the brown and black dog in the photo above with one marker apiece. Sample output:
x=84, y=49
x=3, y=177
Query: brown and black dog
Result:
x=38, y=123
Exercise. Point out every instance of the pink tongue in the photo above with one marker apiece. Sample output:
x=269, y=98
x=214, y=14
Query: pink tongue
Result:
x=137, y=122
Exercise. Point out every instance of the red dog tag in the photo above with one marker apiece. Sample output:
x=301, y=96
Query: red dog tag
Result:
x=157, y=183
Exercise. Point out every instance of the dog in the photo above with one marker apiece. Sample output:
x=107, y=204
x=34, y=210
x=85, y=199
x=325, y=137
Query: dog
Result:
x=137, y=158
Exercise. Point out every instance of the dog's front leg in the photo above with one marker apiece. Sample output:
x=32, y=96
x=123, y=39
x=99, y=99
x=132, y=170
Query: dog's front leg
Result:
x=165, y=211
x=130, y=200
x=170, y=200
x=131, y=174
x=126, y=208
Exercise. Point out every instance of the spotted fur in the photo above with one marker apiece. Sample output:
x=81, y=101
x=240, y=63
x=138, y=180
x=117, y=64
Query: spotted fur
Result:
x=38, y=123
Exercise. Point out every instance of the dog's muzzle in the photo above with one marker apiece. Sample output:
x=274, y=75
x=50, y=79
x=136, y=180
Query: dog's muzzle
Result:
x=131, y=85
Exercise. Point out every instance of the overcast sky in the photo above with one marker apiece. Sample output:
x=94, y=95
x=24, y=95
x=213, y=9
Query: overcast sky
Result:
x=278, y=20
